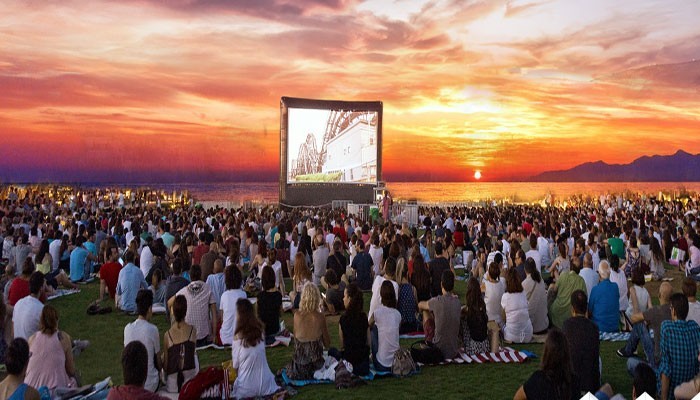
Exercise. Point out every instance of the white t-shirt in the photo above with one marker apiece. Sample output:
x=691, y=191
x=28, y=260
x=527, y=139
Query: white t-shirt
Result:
x=376, y=253
x=228, y=307
x=535, y=255
x=25, y=316
x=621, y=280
x=254, y=375
x=492, y=298
x=518, y=326
x=376, y=300
x=146, y=261
x=277, y=267
x=55, y=251
x=543, y=248
x=387, y=321
x=146, y=333
x=693, y=312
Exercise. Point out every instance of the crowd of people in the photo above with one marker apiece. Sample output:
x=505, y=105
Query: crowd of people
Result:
x=530, y=271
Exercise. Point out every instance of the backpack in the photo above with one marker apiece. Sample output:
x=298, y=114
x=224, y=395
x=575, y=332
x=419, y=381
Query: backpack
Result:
x=403, y=364
x=426, y=353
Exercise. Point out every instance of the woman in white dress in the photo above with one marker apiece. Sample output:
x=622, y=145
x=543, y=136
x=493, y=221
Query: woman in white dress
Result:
x=248, y=352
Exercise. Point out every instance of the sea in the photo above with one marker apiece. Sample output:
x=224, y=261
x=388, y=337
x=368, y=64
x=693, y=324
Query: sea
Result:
x=429, y=192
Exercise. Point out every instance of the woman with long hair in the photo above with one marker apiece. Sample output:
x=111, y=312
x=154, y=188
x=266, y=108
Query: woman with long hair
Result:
x=518, y=327
x=408, y=300
x=385, y=322
x=302, y=277
x=310, y=335
x=536, y=294
x=180, y=360
x=248, y=353
x=474, y=321
x=555, y=379
x=421, y=278
x=656, y=260
x=353, y=331
x=633, y=258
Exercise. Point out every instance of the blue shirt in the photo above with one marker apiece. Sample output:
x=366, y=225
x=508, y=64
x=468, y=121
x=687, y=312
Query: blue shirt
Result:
x=424, y=253
x=604, y=306
x=91, y=248
x=128, y=284
x=680, y=341
x=78, y=257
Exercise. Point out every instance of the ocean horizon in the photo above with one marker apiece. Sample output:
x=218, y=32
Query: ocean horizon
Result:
x=425, y=192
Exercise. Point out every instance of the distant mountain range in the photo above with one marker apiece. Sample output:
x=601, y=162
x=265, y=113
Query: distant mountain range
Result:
x=678, y=167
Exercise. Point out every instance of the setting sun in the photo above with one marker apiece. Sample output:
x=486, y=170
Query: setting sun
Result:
x=477, y=175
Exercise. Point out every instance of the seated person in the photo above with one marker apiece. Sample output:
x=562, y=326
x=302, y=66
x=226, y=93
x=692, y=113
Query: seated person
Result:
x=334, y=292
x=362, y=263
x=555, y=379
x=474, y=321
x=27, y=311
x=201, y=307
x=643, y=381
x=565, y=285
x=310, y=334
x=147, y=333
x=384, y=323
x=109, y=275
x=584, y=343
x=129, y=283
x=445, y=311
x=408, y=300
x=269, y=305
x=16, y=361
x=135, y=368
x=518, y=327
x=353, y=331
x=679, y=347
x=180, y=361
x=158, y=287
x=248, y=353
x=604, y=303
x=51, y=364
x=20, y=286
x=229, y=298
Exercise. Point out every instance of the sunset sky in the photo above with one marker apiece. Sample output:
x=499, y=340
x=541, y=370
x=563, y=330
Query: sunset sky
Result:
x=188, y=90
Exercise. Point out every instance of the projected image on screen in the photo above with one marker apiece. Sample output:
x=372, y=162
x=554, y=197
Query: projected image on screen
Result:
x=332, y=146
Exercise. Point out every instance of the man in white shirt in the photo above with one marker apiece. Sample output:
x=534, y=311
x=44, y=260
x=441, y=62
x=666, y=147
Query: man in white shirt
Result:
x=55, y=250
x=376, y=253
x=588, y=274
x=449, y=224
x=27, y=312
x=534, y=253
x=146, y=258
x=145, y=332
x=389, y=273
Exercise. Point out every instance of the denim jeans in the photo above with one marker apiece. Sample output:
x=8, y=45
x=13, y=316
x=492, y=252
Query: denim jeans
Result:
x=632, y=363
x=640, y=332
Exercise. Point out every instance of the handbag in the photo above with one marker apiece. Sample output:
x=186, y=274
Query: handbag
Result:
x=426, y=353
x=403, y=364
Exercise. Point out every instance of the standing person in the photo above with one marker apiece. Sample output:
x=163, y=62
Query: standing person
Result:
x=248, y=353
x=27, y=311
x=555, y=379
x=310, y=336
x=584, y=343
x=517, y=327
x=384, y=323
x=444, y=311
x=180, y=361
x=679, y=347
x=229, y=299
x=52, y=365
x=144, y=331
x=201, y=307
x=135, y=369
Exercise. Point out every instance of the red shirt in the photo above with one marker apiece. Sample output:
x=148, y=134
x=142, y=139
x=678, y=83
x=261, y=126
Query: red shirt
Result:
x=339, y=231
x=199, y=251
x=527, y=227
x=458, y=238
x=110, y=274
x=18, y=289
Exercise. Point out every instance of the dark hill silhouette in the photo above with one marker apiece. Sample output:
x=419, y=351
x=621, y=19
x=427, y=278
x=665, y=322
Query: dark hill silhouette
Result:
x=678, y=167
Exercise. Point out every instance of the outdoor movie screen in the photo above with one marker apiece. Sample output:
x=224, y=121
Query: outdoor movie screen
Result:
x=332, y=145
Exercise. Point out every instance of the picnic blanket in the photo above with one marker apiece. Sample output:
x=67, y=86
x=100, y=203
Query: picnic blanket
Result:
x=507, y=356
x=413, y=335
x=299, y=382
x=63, y=292
x=283, y=339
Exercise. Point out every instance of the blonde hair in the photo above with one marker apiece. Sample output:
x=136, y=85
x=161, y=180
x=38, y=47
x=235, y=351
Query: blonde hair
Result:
x=400, y=269
x=301, y=270
x=310, y=298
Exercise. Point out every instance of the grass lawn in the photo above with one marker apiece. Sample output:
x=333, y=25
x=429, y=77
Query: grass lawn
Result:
x=488, y=381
